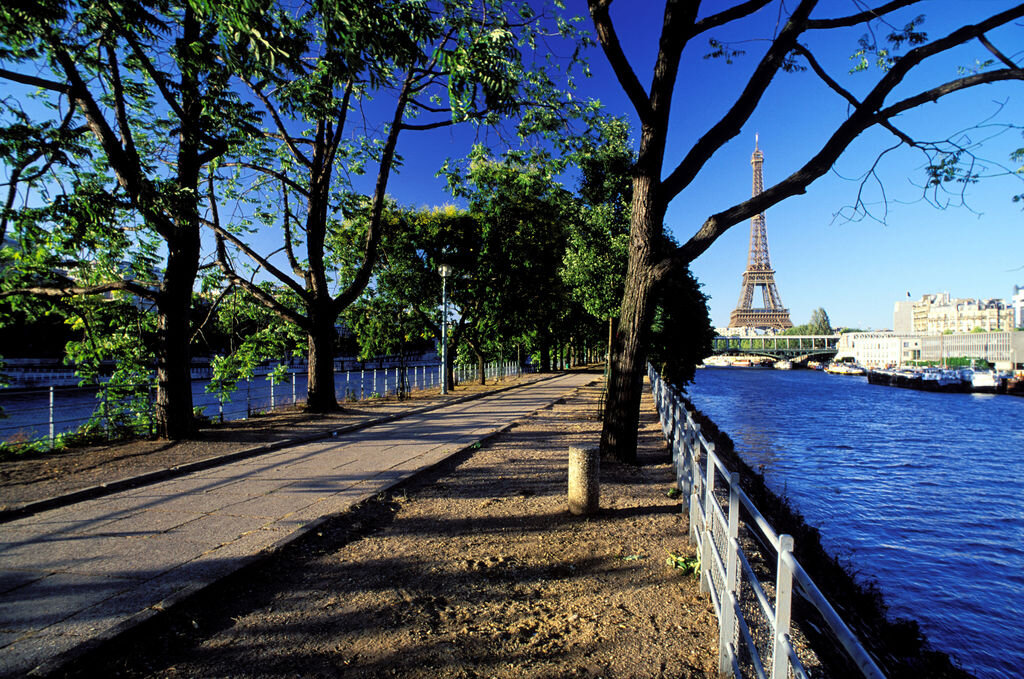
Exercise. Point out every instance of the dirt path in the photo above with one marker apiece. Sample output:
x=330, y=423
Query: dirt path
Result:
x=474, y=569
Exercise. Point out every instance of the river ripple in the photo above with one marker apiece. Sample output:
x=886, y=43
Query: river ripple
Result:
x=921, y=492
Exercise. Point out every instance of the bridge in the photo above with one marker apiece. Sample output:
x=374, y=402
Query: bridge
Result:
x=792, y=347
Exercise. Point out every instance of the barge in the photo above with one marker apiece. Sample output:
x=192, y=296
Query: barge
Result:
x=965, y=380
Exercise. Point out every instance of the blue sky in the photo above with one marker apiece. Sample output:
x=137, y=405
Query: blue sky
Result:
x=856, y=270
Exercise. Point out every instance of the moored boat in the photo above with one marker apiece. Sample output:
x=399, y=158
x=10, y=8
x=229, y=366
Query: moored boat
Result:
x=844, y=369
x=987, y=382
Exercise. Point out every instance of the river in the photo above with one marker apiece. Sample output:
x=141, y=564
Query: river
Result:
x=922, y=492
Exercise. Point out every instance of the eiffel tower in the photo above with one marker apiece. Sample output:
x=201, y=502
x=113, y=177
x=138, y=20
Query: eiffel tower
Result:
x=759, y=273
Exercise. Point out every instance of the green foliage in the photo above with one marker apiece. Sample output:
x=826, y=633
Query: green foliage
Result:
x=119, y=197
x=689, y=565
x=256, y=336
x=885, y=57
x=818, y=325
x=594, y=265
x=681, y=335
x=966, y=362
x=514, y=288
x=118, y=335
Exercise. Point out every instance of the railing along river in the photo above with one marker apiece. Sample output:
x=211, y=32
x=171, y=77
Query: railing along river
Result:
x=725, y=568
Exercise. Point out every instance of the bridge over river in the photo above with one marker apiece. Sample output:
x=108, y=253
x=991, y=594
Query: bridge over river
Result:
x=792, y=347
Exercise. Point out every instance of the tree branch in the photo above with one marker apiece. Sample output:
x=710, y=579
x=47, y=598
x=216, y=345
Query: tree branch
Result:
x=289, y=250
x=276, y=174
x=120, y=109
x=798, y=182
x=256, y=257
x=159, y=78
x=287, y=314
x=125, y=166
x=34, y=81
x=334, y=140
x=288, y=138
x=732, y=122
x=861, y=17
x=845, y=94
x=69, y=290
x=942, y=90
x=616, y=57
x=375, y=230
x=999, y=55
x=722, y=18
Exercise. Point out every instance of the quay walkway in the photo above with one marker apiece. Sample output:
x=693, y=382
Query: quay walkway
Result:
x=75, y=576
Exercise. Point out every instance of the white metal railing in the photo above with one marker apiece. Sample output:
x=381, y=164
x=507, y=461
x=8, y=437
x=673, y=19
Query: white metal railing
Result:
x=725, y=569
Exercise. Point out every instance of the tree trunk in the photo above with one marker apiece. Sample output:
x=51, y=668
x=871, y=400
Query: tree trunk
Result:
x=625, y=379
x=449, y=370
x=174, y=416
x=611, y=337
x=545, y=357
x=321, y=396
x=481, y=368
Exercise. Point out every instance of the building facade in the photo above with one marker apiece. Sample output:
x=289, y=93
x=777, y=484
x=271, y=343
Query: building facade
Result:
x=936, y=314
x=878, y=349
x=1005, y=350
x=903, y=317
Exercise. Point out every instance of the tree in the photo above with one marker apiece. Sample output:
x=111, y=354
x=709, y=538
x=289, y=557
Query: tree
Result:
x=435, y=65
x=522, y=212
x=820, y=325
x=504, y=252
x=146, y=124
x=594, y=266
x=655, y=185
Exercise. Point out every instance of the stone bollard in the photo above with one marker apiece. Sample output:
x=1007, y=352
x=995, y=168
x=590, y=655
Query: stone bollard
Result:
x=584, y=483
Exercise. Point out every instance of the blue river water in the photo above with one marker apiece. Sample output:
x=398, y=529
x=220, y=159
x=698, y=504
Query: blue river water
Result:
x=921, y=492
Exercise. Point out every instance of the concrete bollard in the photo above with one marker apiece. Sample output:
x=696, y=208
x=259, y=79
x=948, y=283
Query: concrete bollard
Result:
x=584, y=482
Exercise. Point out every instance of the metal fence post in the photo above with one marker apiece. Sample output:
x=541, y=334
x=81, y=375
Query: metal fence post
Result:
x=706, y=582
x=293, y=389
x=51, y=416
x=783, y=607
x=727, y=626
x=693, y=450
x=362, y=383
x=272, y=404
x=106, y=412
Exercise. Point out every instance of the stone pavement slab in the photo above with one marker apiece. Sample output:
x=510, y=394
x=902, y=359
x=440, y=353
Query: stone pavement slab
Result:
x=75, y=576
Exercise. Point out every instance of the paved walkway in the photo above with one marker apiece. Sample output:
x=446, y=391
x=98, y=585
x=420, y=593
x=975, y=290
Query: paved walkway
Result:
x=73, y=577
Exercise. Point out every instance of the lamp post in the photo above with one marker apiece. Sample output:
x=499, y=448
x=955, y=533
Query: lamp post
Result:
x=445, y=270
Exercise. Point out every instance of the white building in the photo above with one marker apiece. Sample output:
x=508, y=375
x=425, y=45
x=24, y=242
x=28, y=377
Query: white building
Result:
x=903, y=317
x=879, y=349
x=1003, y=349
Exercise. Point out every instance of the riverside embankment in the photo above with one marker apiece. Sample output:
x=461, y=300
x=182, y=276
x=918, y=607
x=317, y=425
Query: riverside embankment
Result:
x=918, y=493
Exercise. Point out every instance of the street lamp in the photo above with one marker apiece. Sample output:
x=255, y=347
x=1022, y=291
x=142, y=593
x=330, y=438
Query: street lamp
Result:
x=445, y=270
